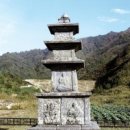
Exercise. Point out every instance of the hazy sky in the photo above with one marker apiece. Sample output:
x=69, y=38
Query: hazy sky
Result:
x=23, y=23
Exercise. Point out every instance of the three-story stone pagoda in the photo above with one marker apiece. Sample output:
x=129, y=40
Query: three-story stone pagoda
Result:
x=64, y=108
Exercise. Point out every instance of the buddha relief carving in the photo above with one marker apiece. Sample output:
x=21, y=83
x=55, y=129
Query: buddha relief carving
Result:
x=51, y=113
x=72, y=115
x=64, y=84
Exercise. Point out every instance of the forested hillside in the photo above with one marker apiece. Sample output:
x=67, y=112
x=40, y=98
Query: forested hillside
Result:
x=98, y=52
x=24, y=64
x=117, y=71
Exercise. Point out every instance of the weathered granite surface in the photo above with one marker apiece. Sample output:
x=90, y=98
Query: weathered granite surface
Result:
x=51, y=111
x=64, y=28
x=91, y=126
x=63, y=45
x=72, y=111
x=64, y=110
x=64, y=81
x=64, y=94
x=43, y=127
x=65, y=55
x=64, y=36
x=63, y=65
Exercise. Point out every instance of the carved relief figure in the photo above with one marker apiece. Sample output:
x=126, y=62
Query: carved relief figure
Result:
x=50, y=114
x=63, y=83
x=62, y=80
x=72, y=115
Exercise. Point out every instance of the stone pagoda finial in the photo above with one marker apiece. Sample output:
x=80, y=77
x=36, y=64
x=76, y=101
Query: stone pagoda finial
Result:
x=64, y=19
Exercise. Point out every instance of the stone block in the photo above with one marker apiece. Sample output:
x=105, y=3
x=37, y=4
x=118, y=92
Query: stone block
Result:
x=69, y=127
x=63, y=108
x=87, y=111
x=51, y=111
x=44, y=127
x=90, y=126
x=72, y=111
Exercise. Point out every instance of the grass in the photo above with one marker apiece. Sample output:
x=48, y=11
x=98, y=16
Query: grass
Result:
x=118, y=96
x=14, y=127
x=25, y=106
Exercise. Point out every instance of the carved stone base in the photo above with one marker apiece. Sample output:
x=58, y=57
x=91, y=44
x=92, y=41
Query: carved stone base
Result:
x=63, y=108
x=90, y=126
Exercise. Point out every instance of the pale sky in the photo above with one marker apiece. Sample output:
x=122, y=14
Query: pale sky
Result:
x=23, y=23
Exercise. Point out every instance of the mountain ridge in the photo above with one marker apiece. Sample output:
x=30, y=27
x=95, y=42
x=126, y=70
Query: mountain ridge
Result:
x=97, y=52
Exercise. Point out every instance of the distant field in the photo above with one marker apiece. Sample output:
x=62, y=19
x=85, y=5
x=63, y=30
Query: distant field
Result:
x=45, y=85
x=119, y=95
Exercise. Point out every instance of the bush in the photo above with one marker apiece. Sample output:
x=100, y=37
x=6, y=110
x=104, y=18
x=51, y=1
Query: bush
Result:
x=28, y=91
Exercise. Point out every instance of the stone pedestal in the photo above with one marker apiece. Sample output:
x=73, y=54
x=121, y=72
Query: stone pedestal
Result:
x=69, y=111
x=65, y=108
x=91, y=126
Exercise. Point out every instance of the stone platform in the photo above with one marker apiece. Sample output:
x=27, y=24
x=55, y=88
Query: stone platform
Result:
x=64, y=110
x=89, y=126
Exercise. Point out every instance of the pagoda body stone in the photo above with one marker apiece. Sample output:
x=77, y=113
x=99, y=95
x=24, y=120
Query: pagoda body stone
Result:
x=64, y=107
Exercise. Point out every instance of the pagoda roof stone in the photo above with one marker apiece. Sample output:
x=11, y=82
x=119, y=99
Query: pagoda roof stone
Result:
x=64, y=27
x=63, y=64
x=63, y=45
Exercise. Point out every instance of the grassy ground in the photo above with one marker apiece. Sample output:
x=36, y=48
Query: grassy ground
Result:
x=118, y=96
x=25, y=106
x=45, y=85
x=14, y=127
